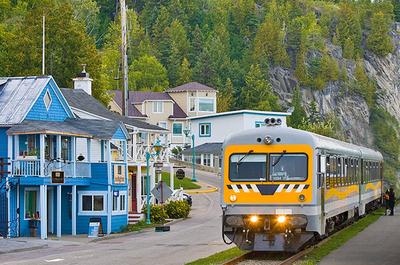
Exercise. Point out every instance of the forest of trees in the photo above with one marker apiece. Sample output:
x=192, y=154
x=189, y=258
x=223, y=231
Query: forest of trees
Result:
x=230, y=45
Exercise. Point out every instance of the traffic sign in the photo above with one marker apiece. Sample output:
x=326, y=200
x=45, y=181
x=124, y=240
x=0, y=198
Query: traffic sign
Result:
x=180, y=174
x=161, y=191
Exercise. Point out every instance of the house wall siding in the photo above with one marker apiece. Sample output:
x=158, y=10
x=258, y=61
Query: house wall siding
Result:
x=56, y=111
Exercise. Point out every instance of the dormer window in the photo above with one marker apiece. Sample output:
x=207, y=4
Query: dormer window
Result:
x=47, y=100
x=157, y=106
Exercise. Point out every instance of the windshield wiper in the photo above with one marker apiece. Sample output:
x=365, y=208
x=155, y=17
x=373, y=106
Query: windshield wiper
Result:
x=243, y=157
x=279, y=158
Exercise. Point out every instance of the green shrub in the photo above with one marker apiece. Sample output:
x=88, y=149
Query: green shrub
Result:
x=158, y=214
x=177, y=209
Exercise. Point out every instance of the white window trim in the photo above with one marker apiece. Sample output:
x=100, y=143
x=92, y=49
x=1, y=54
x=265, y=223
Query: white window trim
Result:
x=51, y=99
x=92, y=193
x=119, y=212
x=177, y=135
x=157, y=102
x=37, y=199
x=208, y=98
x=196, y=102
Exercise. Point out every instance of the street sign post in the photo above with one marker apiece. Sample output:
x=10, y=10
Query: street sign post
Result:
x=161, y=192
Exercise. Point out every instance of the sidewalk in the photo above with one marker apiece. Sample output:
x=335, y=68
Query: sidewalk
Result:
x=20, y=244
x=379, y=243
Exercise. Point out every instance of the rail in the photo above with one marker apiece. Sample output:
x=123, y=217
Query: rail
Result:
x=32, y=168
x=144, y=200
x=137, y=153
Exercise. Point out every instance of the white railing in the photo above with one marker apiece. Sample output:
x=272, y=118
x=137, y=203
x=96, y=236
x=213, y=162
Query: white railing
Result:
x=26, y=167
x=144, y=200
x=32, y=168
x=137, y=153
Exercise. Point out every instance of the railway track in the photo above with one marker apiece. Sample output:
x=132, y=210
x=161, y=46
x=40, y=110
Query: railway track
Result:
x=272, y=258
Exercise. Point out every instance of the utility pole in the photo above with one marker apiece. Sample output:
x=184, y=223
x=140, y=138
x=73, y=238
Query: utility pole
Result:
x=43, y=45
x=124, y=57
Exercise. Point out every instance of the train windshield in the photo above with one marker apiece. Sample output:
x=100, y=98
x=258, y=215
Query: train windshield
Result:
x=248, y=167
x=288, y=167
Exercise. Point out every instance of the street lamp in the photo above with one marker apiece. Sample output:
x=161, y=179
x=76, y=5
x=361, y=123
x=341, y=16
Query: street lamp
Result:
x=188, y=133
x=157, y=149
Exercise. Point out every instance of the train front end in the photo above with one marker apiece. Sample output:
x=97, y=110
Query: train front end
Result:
x=267, y=194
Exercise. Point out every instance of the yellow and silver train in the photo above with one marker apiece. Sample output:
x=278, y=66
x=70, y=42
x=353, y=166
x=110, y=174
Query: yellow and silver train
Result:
x=282, y=187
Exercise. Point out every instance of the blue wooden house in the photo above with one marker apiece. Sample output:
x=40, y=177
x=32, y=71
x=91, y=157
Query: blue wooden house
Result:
x=64, y=170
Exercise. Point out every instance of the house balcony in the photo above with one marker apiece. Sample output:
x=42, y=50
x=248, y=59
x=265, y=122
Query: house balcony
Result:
x=137, y=152
x=33, y=167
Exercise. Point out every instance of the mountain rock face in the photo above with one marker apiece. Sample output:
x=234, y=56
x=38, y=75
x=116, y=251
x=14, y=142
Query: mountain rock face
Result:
x=350, y=109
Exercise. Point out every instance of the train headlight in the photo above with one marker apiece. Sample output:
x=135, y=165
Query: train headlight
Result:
x=281, y=219
x=233, y=198
x=302, y=198
x=254, y=219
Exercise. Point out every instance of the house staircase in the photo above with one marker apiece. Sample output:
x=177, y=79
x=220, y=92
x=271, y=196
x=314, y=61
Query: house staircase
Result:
x=134, y=217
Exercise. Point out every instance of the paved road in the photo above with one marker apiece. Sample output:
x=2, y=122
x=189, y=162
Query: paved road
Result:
x=378, y=244
x=196, y=237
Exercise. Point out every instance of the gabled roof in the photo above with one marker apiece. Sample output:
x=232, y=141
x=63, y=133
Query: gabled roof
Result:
x=137, y=97
x=17, y=95
x=98, y=129
x=192, y=86
x=132, y=110
x=80, y=100
x=207, y=148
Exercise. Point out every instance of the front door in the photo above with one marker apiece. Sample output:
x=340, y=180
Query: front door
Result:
x=133, y=193
x=50, y=210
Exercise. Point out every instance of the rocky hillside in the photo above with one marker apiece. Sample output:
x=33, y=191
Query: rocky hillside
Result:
x=351, y=109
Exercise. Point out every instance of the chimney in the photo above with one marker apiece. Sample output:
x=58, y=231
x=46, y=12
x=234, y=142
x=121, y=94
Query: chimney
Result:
x=83, y=81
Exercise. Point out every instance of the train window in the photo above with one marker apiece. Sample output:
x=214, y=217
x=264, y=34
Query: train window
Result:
x=328, y=171
x=248, y=167
x=288, y=167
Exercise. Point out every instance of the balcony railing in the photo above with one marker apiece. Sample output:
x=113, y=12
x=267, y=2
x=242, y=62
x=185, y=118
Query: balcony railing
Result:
x=137, y=153
x=26, y=168
x=32, y=168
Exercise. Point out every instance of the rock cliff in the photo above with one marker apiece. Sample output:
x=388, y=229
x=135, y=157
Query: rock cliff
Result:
x=351, y=109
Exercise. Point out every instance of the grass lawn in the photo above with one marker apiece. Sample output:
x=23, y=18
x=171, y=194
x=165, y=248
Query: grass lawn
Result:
x=341, y=237
x=219, y=257
x=186, y=183
x=137, y=227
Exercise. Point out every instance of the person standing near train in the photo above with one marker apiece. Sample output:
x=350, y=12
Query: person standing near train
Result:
x=392, y=200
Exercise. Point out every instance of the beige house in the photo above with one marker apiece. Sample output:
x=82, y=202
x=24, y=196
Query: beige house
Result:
x=170, y=109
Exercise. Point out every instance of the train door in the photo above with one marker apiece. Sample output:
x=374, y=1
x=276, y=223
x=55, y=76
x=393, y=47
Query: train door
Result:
x=322, y=163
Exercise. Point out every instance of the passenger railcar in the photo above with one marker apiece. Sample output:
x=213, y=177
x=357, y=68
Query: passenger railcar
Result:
x=281, y=186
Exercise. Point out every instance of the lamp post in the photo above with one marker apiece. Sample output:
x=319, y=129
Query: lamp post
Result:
x=188, y=133
x=157, y=148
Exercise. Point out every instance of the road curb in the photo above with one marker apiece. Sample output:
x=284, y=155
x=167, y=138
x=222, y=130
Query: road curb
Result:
x=199, y=191
x=23, y=249
x=114, y=236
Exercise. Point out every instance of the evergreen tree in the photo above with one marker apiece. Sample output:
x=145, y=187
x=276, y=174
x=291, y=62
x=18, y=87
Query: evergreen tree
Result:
x=196, y=44
x=225, y=97
x=257, y=93
x=147, y=73
x=184, y=73
x=299, y=114
x=378, y=40
x=269, y=45
x=348, y=49
x=301, y=70
x=364, y=85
